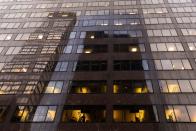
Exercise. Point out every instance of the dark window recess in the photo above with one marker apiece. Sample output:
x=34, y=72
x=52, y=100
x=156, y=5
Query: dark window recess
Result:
x=95, y=48
x=82, y=87
x=91, y=66
x=3, y=113
x=135, y=113
x=84, y=114
x=127, y=34
x=132, y=86
x=126, y=65
x=96, y=34
x=126, y=48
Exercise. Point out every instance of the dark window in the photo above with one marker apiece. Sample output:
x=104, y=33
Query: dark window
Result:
x=95, y=48
x=3, y=113
x=126, y=65
x=91, y=66
x=126, y=48
x=96, y=34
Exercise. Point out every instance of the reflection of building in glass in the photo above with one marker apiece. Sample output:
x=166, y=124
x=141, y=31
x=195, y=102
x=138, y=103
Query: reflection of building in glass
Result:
x=103, y=65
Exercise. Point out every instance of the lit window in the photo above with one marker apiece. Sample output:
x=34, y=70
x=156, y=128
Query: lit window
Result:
x=34, y=114
x=54, y=87
x=135, y=113
x=84, y=114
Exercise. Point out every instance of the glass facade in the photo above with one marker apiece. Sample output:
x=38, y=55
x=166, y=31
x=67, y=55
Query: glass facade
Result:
x=103, y=65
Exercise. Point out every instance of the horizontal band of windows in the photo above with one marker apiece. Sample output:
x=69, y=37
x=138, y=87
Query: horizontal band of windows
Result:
x=166, y=47
x=34, y=114
x=97, y=113
x=177, y=86
x=180, y=113
x=175, y=64
x=126, y=65
x=31, y=87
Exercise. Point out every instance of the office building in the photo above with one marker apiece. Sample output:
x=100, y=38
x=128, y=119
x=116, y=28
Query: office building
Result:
x=97, y=65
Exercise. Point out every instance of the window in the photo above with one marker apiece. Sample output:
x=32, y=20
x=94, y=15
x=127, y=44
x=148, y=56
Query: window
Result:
x=61, y=23
x=184, y=9
x=177, y=64
x=157, y=20
x=123, y=3
x=188, y=32
x=49, y=49
x=177, y=86
x=72, y=35
x=119, y=22
x=9, y=87
x=72, y=5
x=34, y=87
x=54, y=36
x=127, y=34
x=16, y=67
x=125, y=11
x=92, y=49
x=22, y=37
x=1, y=49
x=97, y=12
x=40, y=14
x=192, y=46
x=135, y=113
x=95, y=22
x=128, y=65
x=99, y=4
x=87, y=87
x=166, y=47
x=28, y=50
x=46, y=6
x=5, y=1
x=186, y=19
x=33, y=36
x=34, y=113
x=67, y=49
x=94, y=34
x=179, y=1
x=163, y=32
x=35, y=24
x=9, y=25
x=152, y=2
x=15, y=15
x=13, y=50
x=3, y=7
x=132, y=86
x=155, y=10
x=17, y=7
x=129, y=48
x=43, y=66
x=61, y=66
x=1, y=66
x=180, y=113
x=5, y=36
x=90, y=66
x=54, y=87
x=84, y=114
